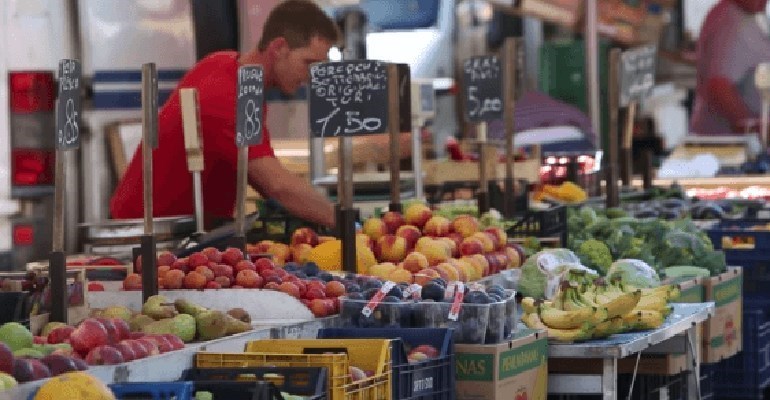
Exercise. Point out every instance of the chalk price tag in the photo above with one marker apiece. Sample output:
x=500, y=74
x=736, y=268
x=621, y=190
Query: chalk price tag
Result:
x=348, y=98
x=637, y=73
x=248, y=129
x=483, y=89
x=68, y=105
x=377, y=299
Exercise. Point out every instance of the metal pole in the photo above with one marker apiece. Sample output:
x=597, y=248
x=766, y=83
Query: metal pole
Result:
x=58, y=201
x=240, y=191
x=592, y=65
x=149, y=142
x=417, y=161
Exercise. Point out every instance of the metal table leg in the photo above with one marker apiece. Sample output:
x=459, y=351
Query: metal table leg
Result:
x=691, y=357
x=610, y=379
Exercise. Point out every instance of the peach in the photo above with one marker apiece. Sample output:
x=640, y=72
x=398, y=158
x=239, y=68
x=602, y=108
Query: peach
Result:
x=482, y=261
x=213, y=254
x=448, y=270
x=165, y=258
x=213, y=285
x=300, y=252
x=380, y=270
x=318, y=308
x=290, y=289
x=132, y=282
x=263, y=246
x=391, y=248
x=208, y=273
x=441, y=272
x=415, y=262
x=500, y=238
x=514, y=257
x=437, y=226
x=232, y=256
x=400, y=275
x=195, y=280
x=223, y=270
x=450, y=245
x=425, y=275
x=487, y=241
x=436, y=252
x=280, y=252
x=417, y=214
x=465, y=225
x=461, y=270
x=181, y=264
x=304, y=235
x=197, y=259
x=393, y=220
x=335, y=289
x=411, y=233
x=365, y=241
x=470, y=246
x=375, y=228
x=174, y=279
x=248, y=279
x=223, y=281
x=472, y=272
x=162, y=270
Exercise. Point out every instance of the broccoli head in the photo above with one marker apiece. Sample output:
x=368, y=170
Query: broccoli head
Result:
x=595, y=255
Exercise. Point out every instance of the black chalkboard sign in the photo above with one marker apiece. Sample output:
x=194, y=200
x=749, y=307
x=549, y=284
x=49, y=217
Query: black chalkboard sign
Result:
x=248, y=128
x=483, y=89
x=348, y=98
x=637, y=73
x=68, y=105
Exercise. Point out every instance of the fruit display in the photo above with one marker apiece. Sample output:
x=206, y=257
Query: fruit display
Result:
x=586, y=307
x=476, y=315
x=421, y=353
x=180, y=319
x=74, y=386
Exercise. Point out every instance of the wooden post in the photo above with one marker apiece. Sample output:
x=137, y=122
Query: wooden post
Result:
x=611, y=166
x=149, y=143
x=394, y=118
x=627, y=151
x=510, y=64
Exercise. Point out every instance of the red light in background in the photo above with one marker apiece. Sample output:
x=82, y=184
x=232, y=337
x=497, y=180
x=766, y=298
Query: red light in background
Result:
x=32, y=91
x=23, y=235
x=32, y=167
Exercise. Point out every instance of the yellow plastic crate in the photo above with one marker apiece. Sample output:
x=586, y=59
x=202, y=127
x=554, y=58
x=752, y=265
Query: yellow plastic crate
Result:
x=334, y=354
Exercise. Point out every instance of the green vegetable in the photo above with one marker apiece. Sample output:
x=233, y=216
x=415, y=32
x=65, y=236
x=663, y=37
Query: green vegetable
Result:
x=635, y=273
x=595, y=255
x=615, y=212
x=533, y=280
x=686, y=271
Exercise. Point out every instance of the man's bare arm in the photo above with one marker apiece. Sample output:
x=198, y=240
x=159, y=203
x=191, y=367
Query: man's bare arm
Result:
x=271, y=179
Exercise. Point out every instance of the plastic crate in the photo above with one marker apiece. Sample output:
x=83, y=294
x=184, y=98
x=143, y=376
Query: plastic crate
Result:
x=153, y=390
x=542, y=223
x=745, y=375
x=748, y=231
x=336, y=355
x=386, y=315
x=707, y=372
x=229, y=383
x=429, y=379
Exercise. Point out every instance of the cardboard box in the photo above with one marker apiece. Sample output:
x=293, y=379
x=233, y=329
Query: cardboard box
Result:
x=516, y=369
x=722, y=334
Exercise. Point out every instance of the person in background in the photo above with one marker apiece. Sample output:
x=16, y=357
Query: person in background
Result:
x=732, y=42
x=297, y=33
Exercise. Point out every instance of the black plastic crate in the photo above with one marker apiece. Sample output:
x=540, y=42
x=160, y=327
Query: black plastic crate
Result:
x=542, y=223
x=227, y=383
x=153, y=390
x=747, y=374
x=428, y=379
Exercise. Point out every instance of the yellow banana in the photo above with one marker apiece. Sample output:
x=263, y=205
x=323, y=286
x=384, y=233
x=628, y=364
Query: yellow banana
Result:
x=532, y=321
x=573, y=302
x=622, y=304
x=643, y=319
x=651, y=302
x=669, y=292
x=571, y=335
x=528, y=305
x=674, y=293
x=560, y=319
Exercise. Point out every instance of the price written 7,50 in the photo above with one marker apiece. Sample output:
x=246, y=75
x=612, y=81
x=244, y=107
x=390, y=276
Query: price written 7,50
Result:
x=479, y=107
x=354, y=123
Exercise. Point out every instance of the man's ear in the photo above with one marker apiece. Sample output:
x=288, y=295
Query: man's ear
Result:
x=278, y=47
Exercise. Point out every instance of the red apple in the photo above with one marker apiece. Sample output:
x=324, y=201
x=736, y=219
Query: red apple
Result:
x=163, y=345
x=213, y=254
x=125, y=350
x=95, y=287
x=393, y=220
x=232, y=255
x=88, y=335
x=149, y=345
x=264, y=264
x=60, y=334
x=181, y=265
x=122, y=328
x=175, y=342
x=197, y=259
x=104, y=355
x=166, y=258
x=140, y=351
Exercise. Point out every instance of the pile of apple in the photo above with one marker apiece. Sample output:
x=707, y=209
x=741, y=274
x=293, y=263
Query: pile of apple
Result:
x=418, y=247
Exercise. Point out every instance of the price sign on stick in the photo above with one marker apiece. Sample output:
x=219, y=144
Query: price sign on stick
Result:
x=68, y=106
x=482, y=89
x=348, y=98
x=249, y=106
x=637, y=74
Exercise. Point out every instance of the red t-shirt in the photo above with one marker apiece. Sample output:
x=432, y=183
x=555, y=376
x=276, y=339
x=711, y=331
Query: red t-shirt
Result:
x=216, y=78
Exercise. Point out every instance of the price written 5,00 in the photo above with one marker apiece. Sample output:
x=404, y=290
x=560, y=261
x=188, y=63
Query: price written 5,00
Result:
x=478, y=107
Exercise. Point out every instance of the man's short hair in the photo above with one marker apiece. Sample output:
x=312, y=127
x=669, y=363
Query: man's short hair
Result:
x=298, y=21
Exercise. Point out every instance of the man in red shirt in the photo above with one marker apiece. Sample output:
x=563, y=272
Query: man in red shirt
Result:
x=297, y=33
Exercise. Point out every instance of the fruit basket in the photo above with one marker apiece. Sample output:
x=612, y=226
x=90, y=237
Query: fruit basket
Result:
x=423, y=360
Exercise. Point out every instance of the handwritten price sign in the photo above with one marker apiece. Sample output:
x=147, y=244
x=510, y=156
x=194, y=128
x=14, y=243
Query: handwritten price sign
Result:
x=248, y=131
x=348, y=98
x=637, y=73
x=68, y=105
x=483, y=89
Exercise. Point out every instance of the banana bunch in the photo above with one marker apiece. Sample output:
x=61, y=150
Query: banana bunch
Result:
x=586, y=308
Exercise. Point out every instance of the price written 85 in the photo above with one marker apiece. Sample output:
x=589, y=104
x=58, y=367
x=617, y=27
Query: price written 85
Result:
x=478, y=107
x=354, y=123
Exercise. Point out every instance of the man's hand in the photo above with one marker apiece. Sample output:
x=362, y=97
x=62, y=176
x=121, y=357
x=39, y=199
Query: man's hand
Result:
x=272, y=180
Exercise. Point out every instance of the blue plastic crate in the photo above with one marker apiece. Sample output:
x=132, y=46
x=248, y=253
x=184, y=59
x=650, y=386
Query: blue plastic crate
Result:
x=707, y=372
x=745, y=230
x=153, y=390
x=745, y=375
x=430, y=379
